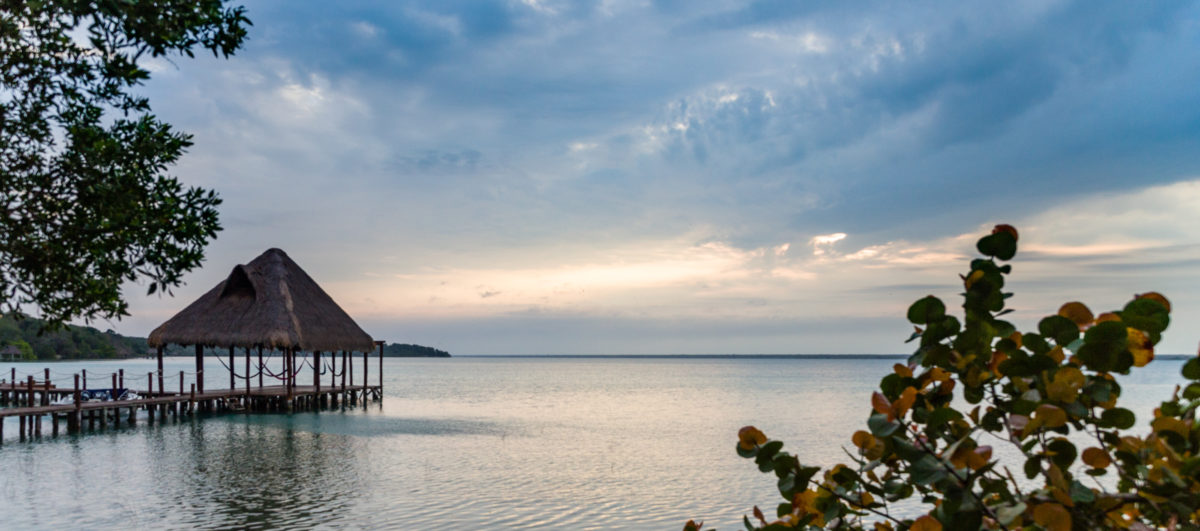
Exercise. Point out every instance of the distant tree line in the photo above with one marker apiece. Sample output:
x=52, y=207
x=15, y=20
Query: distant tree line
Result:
x=35, y=342
x=413, y=351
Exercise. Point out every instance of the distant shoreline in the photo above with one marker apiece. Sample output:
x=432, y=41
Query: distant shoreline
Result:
x=742, y=356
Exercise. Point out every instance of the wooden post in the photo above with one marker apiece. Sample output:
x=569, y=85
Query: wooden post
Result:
x=365, y=380
x=114, y=386
x=73, y=421
x=316, y=371
x=180, y=383
x=247, y=404
x=150, y=386
x=260, y=367
x=121, y=378
x=29, y=396
x=232, y=374
x=161, y=388
x=200, y=368
x=46, y=389
x=381, y=370
x=84, y=379
x=290, y=356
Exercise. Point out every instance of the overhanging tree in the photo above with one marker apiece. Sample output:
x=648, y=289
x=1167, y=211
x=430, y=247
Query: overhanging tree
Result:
x=87, y=201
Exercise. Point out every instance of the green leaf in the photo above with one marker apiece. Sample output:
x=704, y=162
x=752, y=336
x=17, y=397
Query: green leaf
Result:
x=1191, y=369
x=926, y=310
x=880, y=426
x=1110, y=332
x=1080, y=493
x=926, y=470
x=1059, y=328
x=1033, y=467
x=1119, y=418
x=1146, y=314
x=1064, y=453
x=1000, y=245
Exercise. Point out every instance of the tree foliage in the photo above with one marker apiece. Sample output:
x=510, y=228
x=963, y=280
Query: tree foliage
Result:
x=1049, y=395
x=87, y=203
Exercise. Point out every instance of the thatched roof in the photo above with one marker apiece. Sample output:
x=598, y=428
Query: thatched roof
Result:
x=269, y=302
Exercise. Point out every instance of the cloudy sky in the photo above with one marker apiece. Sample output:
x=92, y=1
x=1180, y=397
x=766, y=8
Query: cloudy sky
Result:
x=677, y=176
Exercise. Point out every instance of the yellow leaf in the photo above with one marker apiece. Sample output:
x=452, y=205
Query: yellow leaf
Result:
x=1065, y=385
x=1052, y=516
x=902, y=370
x=749, y=437
x=973, y=278
x=1057, y=354
x=1078, y=313
x=1005, y=228
x=1170, y=424
x=1050, y=416
x=1107, y=316
x=1140, y=346
x=880, y=403
x=863, y=440
x=926, y=523
x=1096, y=458
x=902, y=405
x=884, y=526
x=1157, y=297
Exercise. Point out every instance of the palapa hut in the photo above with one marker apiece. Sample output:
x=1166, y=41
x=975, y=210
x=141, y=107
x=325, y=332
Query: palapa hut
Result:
x=268, y=303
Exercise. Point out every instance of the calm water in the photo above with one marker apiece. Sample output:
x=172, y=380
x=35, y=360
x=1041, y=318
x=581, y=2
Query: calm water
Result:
x=513, y=443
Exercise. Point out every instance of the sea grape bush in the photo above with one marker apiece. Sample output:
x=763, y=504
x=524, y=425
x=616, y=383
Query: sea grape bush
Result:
x=1040, y=392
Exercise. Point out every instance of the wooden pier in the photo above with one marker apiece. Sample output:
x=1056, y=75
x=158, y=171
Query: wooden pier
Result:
x=268, y=304
x=34, y=403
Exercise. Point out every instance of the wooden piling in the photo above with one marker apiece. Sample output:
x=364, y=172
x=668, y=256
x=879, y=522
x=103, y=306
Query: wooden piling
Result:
x=73, y=420
x=161, y=389
x=232, y=372
x=46, y=389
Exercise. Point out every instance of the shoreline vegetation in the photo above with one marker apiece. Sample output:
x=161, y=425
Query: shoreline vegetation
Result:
x=25, y=339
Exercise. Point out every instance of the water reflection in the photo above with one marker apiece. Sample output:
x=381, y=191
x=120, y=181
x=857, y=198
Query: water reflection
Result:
x=466, y=443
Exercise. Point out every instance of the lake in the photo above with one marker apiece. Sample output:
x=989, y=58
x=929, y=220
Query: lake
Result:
x=502, y=443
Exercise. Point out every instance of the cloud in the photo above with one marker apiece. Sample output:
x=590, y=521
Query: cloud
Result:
x=664, y=160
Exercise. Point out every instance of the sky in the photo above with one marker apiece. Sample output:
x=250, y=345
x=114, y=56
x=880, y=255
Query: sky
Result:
x=711, y=177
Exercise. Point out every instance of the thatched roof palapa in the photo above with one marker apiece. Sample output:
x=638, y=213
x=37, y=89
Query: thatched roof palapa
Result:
x=271, y=303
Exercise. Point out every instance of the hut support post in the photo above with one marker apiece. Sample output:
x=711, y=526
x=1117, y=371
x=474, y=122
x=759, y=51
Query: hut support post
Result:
x=248, y=377
x=84, y=371
x=260, y=367
x=46, y=388
x=317, y=372
x=74, y=420
x=161, y=389
x=290, y=356
x=200, y=368
x=365, y=380
x=232, y=372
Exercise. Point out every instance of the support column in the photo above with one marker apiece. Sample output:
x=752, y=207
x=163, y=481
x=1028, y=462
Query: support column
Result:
x=247, y=404
x=200, y=369
x=260, y=367
x=317, y=372
x=290, y=357
x=232, y=373
x=380, y=343
x=161, y=389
